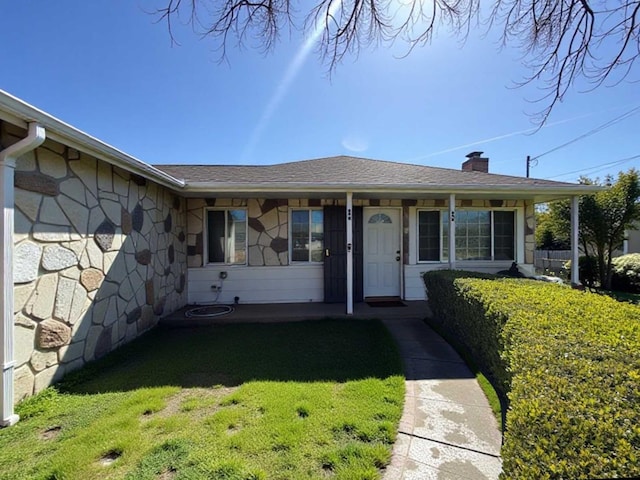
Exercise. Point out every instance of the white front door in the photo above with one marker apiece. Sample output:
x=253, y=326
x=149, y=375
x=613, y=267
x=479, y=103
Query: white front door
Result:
x=381, y=252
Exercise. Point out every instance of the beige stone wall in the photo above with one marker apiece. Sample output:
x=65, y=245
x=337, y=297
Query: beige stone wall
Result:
x=100, y=256
x=268, y=219
x=529, y=232
x=267, y=235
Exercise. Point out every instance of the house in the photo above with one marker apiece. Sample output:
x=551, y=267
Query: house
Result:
x=632, y=241
x=98, y=245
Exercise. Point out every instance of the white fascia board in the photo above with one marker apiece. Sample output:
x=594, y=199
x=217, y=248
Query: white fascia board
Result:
x=561, y=191
x=13, y=109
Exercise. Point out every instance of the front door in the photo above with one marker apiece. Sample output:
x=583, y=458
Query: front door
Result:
x=382, y=252
x=335, y=254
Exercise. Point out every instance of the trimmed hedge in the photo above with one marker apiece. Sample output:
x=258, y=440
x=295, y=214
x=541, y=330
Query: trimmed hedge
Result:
x=569, y=363
x=625, y=276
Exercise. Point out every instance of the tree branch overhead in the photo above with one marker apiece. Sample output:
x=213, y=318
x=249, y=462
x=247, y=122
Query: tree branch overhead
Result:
x=564, y=42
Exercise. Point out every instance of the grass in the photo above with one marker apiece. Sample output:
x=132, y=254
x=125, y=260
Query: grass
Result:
x=235, y=402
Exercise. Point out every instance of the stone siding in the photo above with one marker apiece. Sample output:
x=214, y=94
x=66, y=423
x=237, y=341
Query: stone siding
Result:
x=268, y=229
x=529, y=232
x=99, y=257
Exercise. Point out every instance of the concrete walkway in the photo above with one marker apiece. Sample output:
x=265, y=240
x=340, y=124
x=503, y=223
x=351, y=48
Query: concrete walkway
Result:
x=447, y=431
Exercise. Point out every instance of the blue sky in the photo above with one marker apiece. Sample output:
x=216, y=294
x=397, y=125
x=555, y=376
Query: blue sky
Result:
x=106, y=68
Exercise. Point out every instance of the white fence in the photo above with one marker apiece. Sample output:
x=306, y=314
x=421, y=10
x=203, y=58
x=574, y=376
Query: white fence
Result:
x=550, y=260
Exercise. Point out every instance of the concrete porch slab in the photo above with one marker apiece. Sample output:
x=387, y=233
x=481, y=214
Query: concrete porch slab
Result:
x=291, y=312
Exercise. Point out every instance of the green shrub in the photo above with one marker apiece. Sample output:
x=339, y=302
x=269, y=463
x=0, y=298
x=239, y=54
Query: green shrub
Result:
x=455, y=311
x=587, y=270
x=626, y=273
x=569, y=362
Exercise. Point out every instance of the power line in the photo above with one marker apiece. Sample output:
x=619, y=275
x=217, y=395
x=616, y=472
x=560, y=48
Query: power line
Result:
x=597, y=168
x=618, y=119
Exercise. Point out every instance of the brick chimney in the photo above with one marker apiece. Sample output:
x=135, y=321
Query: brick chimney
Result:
x=476, y=163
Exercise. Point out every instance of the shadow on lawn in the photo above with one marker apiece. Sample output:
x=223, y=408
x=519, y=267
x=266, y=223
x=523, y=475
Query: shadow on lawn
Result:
x=229, y=355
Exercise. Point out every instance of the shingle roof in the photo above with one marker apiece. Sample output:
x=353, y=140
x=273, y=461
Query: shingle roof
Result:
x=345, y=170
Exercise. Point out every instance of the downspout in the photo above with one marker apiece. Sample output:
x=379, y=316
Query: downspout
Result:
x=8, y=157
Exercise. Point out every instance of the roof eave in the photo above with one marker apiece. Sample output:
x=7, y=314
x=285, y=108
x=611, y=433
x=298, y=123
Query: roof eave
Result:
x=529, y=190
x=21, y=113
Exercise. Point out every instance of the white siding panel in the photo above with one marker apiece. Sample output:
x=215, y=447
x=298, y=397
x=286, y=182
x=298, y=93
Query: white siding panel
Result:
x=414, y=286
x=282, y=284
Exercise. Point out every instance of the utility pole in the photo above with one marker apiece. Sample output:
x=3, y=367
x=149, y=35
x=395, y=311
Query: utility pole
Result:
x=531, y=162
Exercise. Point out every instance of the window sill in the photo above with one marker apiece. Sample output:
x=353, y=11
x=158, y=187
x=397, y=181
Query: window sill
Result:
x=224, y=265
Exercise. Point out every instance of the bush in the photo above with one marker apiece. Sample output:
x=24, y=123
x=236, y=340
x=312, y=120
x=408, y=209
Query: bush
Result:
x=453, y=312
x=569, y=363
x=626, y=273
x=587, y=270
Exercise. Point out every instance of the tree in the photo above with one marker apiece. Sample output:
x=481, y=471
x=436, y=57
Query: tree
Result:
x=562, y=41
x=604, y=218
x=550, y=235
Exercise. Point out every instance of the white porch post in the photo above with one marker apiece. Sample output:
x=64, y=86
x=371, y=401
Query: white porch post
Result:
x=452, y=231
x=7, y=166
x=575, y=254
x=349, y=253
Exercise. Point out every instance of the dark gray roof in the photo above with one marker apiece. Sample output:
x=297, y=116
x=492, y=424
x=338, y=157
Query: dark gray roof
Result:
x=345, y=170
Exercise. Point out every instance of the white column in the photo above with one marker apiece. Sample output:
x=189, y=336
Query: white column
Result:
x=452, y=231
x=349, y=253
x=7, y=166
x=575, y=254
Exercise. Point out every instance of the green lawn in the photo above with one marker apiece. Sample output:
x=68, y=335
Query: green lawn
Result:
x=253, y=401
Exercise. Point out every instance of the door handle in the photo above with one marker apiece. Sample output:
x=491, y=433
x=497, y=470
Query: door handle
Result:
x=326, y=252
x=397, y=258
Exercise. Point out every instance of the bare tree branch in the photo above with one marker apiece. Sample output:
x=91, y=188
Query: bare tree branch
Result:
x=565, y=43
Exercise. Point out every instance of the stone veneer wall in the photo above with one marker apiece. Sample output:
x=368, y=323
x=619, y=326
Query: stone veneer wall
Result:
x=267, y=235
x=268, y=223
x=99, y=256
x=529, y=232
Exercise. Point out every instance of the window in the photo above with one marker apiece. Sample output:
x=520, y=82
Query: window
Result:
x=380, y=218
x=307, y=236
x=503, y=228
x=429, y=236
x=473, y=235
x=480, y=235
x=227, y=236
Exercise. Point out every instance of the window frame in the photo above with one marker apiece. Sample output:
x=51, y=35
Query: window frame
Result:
x=440, y=211
x=491, y=211
x=309, y=261
x=205, y=236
